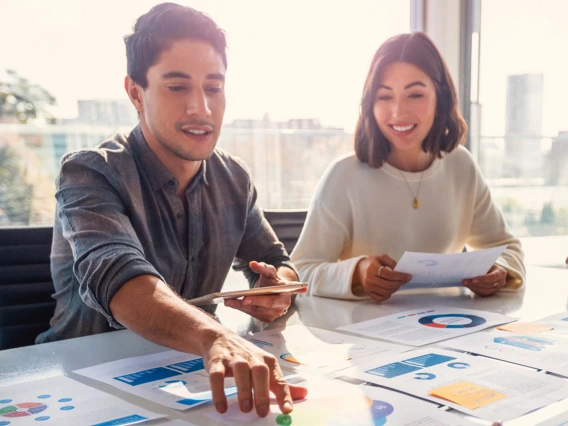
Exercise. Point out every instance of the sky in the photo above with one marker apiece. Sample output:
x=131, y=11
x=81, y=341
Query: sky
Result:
x=290, y=59
x=287, y=58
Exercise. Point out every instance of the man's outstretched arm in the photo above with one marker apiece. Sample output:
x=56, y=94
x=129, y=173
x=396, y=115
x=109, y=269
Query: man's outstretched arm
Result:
x=148, y=307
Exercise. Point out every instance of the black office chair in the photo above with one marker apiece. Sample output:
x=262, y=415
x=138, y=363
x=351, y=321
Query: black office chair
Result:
x=26, y=287
x=287, y=224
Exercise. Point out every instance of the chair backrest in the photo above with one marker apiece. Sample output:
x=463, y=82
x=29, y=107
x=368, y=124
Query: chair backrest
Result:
x=26, y=287
x=287, y=224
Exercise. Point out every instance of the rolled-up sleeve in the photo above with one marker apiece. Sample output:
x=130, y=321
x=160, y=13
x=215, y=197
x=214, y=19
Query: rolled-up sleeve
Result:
x=94, y=221
x=259, y=241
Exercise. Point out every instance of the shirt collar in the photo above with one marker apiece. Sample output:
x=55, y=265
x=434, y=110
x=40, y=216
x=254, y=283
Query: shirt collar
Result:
x=156, y=172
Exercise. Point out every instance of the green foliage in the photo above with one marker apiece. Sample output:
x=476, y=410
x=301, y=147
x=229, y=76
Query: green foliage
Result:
x=23, y=100
x=15, y=197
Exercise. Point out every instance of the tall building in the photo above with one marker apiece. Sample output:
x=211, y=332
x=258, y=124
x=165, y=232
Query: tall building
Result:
x=557, y=162
x=523, y=156
x=107, y=112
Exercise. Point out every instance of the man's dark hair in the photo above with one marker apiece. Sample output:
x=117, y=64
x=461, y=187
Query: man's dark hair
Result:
x=155, y=31
x=449, y=128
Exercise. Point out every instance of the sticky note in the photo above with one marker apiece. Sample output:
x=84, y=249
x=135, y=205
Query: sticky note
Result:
x=467, y=394
x=525, y=327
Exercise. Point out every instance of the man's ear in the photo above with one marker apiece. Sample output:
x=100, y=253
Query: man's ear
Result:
x=134, y=93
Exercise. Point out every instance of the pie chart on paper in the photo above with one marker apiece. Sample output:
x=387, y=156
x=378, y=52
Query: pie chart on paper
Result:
x=452, y=321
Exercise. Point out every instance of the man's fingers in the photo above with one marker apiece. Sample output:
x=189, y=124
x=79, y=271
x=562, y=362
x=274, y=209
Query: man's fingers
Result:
x=217, y=383
x=281, y=390
x=242, y=373
x=260, y=382
x=297, y=392
x=263, y=269
x=275, y=302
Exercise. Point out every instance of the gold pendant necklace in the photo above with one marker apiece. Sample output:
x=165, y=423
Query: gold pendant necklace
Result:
x=415, y=201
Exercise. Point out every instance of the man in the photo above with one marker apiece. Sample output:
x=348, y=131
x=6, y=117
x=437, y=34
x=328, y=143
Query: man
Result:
x=147, y=219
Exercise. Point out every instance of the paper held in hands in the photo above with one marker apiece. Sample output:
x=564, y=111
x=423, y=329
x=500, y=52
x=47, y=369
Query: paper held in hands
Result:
x=446, y=270
x=219, y=296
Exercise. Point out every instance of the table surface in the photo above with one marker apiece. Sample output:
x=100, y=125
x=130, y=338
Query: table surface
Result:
x=546, y=293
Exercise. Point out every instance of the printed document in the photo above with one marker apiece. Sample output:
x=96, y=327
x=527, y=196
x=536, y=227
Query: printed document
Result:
x=428, y=325
x=317, y=351
x=542, y=351
x=62, y=401
x=482, y=387
x=446, y=270
x=173, y=379
x=333, y=402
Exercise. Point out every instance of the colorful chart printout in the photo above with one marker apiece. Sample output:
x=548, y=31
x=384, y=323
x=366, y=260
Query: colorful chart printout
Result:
x=336, y=403
x=61, y=401
x=424, y=326
x=173, y=379
x=479, y=386
x=544, y=351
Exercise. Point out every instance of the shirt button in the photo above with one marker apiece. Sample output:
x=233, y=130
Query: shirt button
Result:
x=179, y=215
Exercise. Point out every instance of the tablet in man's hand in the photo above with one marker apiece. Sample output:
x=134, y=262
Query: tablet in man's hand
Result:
x=219, y=296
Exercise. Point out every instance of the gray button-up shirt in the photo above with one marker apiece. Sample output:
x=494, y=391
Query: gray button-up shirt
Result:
x=119, y=216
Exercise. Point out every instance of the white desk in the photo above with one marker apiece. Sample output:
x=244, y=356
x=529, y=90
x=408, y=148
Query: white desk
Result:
x=546, y=294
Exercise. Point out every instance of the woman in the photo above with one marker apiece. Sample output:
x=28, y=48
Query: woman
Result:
x=409, y=186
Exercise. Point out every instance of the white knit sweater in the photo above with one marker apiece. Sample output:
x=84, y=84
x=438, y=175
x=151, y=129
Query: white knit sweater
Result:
x=359, y=211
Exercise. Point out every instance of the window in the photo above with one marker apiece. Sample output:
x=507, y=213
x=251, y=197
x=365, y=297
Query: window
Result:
x=296, y=72
x=523, y=126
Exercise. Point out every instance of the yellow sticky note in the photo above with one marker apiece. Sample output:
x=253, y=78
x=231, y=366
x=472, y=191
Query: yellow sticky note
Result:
x=468, y=394
x=525, y=328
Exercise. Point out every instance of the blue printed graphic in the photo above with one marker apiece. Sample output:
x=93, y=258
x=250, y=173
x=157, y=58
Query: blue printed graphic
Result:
x=565, y=319
x=4, y=423
x=379, y=411
x=205, y=397
x=147, y=376
x=459, y=365
x=428, y=360
x=65, y=400
x=392, y=370
x=428, y=262
x=188, y=366
x=42, y=418
x=5, y=401
x=123, y=421
x=44, y=396
x=259, y=343
x=452, y=321
x=67, y=408
x=424, y=376
x=525, y=342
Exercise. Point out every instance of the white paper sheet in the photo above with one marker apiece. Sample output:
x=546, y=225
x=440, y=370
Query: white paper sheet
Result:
x=419, y=371
x=335, y=403
x=61, y=401
x=318, y=351
x=542, y=351
x=559, y=323
x=424, y=326
x=446, y=270
x=173, y=379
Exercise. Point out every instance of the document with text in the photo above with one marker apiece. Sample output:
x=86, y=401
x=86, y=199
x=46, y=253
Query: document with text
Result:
x=482, y=387
x=428, y=325
x=333, y=402
x=446, y=270
x=63, y=401
x=317, y=351
x=542, y=351
x=173, y=379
